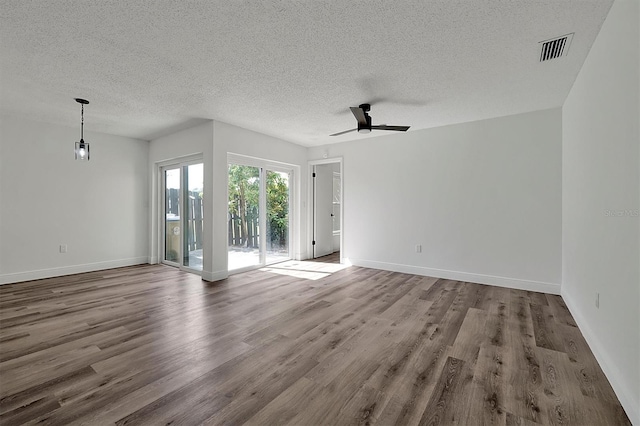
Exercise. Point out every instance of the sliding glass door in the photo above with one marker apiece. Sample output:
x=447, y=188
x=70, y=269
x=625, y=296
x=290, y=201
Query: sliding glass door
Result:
x=172, y=210
x=183, y=215
x=244, y=216
x=258, y=215
x=277, y=212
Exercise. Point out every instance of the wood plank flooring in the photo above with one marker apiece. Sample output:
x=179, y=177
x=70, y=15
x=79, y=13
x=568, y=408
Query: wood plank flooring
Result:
x=300, y=343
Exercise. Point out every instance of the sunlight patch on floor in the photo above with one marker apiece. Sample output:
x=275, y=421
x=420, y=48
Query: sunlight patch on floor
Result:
x=305, y=270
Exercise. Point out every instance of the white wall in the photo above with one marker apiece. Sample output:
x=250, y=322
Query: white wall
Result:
x=482, y=198
x=601, y=185
x=99, y=208
x=232, y=139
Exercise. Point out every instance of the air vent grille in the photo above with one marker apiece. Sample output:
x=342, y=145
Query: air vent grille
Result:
x=555, y=48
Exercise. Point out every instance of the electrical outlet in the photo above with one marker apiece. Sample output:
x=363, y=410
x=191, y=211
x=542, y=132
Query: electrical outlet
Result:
x=63, y=248
x=598, y=300
x=418, y=248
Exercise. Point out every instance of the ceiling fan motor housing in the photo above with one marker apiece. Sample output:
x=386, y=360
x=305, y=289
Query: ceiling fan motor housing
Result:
x=361, y=128
x=367, y=128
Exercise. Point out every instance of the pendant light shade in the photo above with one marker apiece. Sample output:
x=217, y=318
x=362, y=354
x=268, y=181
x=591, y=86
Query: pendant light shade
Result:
x=82, y=147
x=82, y=150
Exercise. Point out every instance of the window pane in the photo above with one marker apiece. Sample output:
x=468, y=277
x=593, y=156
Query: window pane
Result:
x=192, y=256
x=277, y=216
x=244, y=216
x=172, y=215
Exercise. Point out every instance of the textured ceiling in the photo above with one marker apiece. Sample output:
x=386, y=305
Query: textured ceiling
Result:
x=285, y=68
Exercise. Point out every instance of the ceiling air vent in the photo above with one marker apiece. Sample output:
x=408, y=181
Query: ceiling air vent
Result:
x=555, y=48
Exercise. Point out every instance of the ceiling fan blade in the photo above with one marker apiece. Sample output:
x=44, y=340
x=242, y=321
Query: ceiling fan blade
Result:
x=359, y=114
x=342, y=133
x=396, y=128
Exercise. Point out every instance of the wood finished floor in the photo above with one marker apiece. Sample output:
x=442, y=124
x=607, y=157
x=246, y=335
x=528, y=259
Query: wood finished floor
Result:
x=302, y=343
x=330, y=258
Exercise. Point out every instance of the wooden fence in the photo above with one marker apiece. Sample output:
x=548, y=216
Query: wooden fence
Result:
x=236, y=235
x=195, y=220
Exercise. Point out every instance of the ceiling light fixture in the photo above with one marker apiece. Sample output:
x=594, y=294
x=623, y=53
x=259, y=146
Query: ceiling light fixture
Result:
x=82, y=147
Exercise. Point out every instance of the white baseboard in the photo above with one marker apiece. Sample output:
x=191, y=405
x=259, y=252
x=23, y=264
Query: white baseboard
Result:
x=215, y=275
x=38, y=274
x=609, y=367
x=516, y=283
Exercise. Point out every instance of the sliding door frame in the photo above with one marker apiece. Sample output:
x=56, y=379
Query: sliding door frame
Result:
x=175, y=163
x=265, y=165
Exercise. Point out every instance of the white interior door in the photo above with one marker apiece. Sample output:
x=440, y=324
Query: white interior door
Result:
x=323, y=210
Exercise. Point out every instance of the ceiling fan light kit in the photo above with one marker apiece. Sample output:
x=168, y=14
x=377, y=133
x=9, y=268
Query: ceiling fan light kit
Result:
x=364, y=122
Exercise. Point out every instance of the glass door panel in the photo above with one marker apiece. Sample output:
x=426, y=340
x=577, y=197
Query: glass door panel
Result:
x=183, y=215
x=277, y=223
x=172, y=215
x=244, y=216
x=192, y=243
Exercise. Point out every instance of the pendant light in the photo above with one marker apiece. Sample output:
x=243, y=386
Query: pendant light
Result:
x=82, y=147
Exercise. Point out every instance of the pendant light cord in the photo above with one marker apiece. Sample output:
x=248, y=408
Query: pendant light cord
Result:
x=82, y=124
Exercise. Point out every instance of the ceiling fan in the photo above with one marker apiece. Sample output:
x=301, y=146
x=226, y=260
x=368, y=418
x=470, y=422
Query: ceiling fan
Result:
x=364, y=122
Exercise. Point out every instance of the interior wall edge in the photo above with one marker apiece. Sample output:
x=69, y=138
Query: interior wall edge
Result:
x=515, y=283
x=71, y=270
x=610, y=369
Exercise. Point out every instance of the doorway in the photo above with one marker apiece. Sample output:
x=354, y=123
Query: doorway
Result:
x=259, y=213
x=182, y=198
x=327, y=208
